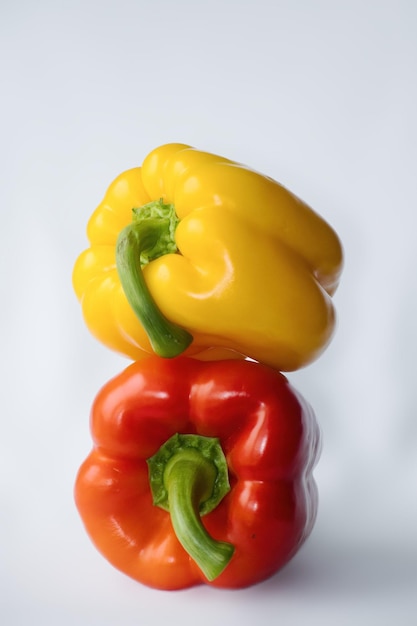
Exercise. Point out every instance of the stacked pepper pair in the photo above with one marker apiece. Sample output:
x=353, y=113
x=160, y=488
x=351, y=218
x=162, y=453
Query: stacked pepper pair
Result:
x=213, y=280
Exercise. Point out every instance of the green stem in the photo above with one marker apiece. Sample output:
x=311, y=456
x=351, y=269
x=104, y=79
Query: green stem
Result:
x=188, y=477
x=146, y=238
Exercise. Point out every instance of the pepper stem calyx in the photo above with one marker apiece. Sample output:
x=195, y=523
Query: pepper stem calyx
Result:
x=150, y=235
x=188, y=477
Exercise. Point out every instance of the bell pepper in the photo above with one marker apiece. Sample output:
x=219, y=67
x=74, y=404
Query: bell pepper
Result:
x=194, y=254
x=200, y=472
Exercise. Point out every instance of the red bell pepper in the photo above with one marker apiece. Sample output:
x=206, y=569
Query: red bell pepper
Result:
x=201, y=472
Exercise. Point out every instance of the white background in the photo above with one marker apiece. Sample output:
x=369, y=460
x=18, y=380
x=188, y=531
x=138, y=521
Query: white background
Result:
x=320, y=95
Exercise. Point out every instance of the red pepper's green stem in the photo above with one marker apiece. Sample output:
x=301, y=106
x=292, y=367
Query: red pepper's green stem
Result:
x=184, y=483
x=145, y=239
x=188, y=477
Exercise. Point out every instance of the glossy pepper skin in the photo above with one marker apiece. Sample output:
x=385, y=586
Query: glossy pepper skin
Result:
x=253, y=271
x=270, y=440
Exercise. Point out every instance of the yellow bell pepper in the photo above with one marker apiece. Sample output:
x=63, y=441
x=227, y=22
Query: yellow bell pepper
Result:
x=192, y=253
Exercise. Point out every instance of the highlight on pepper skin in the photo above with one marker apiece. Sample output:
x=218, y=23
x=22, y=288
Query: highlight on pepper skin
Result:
x=194, y=254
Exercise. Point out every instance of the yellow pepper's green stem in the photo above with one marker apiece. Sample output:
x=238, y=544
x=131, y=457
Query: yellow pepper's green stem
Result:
x=188, y=477
x=150, y=235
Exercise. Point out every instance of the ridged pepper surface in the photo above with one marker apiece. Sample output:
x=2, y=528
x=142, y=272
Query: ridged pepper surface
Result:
x=201, y=472
x=194, y=254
